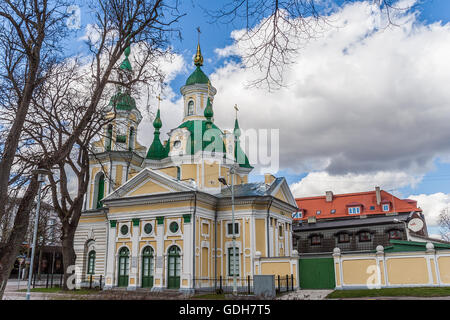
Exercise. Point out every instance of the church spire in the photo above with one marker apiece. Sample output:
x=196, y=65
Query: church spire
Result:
x=157, y=150
x=198, y=59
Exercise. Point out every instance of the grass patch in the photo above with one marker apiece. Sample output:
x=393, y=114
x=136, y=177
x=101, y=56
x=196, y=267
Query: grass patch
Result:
x=391, y=292
x=210, y=296
x=58, y=290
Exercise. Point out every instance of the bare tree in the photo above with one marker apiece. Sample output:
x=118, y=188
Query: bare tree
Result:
x=73, y=105
x=444, y=224
x=29, y=34
x=274, y=31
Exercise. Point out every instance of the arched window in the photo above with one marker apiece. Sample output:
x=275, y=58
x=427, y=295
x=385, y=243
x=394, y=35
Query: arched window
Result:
x=174, y=268
x=190, y=110
x=109, y=133
x=100, y=190
x=147, y=267
x=131, y=139
x=178, y=173
x=91, y=262
x=124, y=267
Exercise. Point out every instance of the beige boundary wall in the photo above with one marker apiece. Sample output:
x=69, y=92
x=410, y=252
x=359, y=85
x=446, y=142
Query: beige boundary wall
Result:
x=278, y=266
x=430, y=268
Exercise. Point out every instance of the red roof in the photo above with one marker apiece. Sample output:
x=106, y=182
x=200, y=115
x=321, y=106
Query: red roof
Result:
x=341, y=202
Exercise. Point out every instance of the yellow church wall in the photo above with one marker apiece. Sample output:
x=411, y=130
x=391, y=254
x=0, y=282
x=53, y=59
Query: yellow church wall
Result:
x=91, y=193
x=260, y=236
x=121, y=243
x=211, y=171
x=144, y=207
x=280, y=195
x=119, y=173
x=148, y=188
x=444, y=269
x=189, y=171
x=355, y=271
x=143, y=244
x=171, y=171
x=92, y=219
x=417, y=271
x=204, y=257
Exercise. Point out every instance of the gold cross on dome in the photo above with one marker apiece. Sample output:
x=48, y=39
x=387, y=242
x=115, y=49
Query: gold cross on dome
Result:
x=159, y=100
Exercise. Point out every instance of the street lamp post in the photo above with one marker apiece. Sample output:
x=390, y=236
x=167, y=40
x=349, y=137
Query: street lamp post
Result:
x=36, y=221
x=233, y=262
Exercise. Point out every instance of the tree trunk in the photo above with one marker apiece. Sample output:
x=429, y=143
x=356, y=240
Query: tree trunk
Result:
x=39, y=264
x=10, y=250
x=68, y=252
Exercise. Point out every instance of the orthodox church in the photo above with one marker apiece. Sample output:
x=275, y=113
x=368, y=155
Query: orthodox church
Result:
x=163, y=218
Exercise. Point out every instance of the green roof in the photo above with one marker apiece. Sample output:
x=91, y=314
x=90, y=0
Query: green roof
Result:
x=403, y=245
x=122, y=101
x=197, y=77
x=199, y=141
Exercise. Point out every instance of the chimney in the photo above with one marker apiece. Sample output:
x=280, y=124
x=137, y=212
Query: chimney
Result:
x=329, y=196
x=378, y=193
x=268, y=178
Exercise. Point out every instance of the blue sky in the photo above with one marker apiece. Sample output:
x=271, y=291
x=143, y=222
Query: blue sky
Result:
x=434, y=176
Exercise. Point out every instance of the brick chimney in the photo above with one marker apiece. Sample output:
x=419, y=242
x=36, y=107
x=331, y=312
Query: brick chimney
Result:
x=328, y=196
x=378, y=194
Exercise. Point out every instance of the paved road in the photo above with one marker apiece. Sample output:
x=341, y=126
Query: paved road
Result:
x=306, y=295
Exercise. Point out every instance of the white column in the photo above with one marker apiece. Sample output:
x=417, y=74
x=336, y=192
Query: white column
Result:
x=159, y=258
x=337, y=260
x=187, y=252
x=111, y=254
x=134, y=278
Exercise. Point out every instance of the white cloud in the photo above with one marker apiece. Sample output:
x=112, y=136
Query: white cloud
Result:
x=432, y=205
x=316, y=183
x=359, y=100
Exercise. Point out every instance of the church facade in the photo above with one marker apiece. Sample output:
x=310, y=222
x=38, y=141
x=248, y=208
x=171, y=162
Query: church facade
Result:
x=162, y=218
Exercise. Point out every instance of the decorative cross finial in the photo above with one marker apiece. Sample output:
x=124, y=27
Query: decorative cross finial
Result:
x=159, y=100
x=198, y=59
x=236, y=108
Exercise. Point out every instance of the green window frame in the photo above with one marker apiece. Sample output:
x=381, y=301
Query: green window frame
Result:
x=231, y=258
x=91, y=262
x=109, y=137
x=124, y=229
x=174, y=227
x=100, y=190
x=148, y=228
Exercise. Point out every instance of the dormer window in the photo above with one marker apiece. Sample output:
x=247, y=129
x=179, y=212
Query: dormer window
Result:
x=385, y=207
x=190, y=110
x=354, y=210
x=318, y=212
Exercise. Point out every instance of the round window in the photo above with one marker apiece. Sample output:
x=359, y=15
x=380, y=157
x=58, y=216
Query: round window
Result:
x=173, y=227
x=124, y=229
x=148, y=228
x=177, y=144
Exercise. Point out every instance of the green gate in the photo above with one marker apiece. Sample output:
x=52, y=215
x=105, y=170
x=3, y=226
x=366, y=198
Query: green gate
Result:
x=316, y=273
